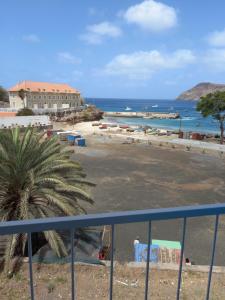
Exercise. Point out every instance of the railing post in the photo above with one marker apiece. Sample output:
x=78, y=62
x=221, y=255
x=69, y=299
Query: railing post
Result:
x=181, y=258
x=112, y=263
x=30, y=266
x=148, y=260
x=212, y=258
x=72, y=263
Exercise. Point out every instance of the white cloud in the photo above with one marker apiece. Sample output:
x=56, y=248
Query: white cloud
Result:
x=142, y=64
x=31, y=38
x=152, y=15
x=217, y=38
x=97, y=32
x=215, y=59
x=67, y=57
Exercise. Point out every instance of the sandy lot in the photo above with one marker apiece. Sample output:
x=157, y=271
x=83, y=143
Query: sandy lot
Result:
x=137, y=176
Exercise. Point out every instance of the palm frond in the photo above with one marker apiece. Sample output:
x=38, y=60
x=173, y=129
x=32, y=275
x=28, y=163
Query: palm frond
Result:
x=38, y=180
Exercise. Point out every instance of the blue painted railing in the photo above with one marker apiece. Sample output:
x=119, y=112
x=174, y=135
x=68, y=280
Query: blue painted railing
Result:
x=71, y=223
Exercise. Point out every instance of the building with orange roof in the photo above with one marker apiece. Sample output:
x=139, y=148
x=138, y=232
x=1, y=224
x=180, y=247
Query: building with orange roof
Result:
x=44, y=95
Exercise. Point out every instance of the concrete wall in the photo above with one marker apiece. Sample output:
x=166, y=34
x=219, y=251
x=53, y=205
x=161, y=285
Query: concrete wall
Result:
x=24, y=121
x=15, y=101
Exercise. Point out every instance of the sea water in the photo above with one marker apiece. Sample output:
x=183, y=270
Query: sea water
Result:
x=190, y=120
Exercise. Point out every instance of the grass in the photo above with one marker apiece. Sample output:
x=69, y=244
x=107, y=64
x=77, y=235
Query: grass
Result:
x=92, y=282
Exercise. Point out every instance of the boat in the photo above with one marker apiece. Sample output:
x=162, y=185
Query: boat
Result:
x=124, y=126
x=128, y=108
x=156, y=105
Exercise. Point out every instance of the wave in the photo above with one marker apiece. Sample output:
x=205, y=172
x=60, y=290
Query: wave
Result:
x=188, y=118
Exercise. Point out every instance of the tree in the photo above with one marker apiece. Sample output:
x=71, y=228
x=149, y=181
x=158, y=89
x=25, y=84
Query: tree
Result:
x=25, y=112
x=37, y=180
x=22, y=95
x=213, y=105
x=4, y=96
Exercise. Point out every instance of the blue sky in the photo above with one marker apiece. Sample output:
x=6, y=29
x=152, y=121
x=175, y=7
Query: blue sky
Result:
x=119, y=48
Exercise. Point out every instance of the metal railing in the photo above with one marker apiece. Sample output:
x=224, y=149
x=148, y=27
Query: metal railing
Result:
x=71, y=223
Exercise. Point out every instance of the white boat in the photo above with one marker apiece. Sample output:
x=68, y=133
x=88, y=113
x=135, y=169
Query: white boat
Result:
x=128, y=108
x=156, y=105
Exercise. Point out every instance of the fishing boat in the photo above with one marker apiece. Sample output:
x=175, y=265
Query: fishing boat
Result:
x=154, y=106
x=128, y=108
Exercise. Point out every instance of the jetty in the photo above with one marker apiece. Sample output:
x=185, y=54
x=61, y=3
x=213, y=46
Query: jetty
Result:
x=146, y=115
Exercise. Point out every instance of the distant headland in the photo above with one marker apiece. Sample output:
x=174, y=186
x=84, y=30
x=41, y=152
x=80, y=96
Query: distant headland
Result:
x=200, y=90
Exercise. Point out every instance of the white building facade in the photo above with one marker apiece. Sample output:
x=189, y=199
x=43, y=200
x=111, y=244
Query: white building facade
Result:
x=44, y=95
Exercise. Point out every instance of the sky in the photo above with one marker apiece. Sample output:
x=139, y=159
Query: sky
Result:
x=114, y=49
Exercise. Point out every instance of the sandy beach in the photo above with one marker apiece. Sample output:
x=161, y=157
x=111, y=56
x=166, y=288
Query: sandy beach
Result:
x=154, y=136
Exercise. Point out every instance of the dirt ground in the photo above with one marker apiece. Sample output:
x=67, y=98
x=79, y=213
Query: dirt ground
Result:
x=137, y=176
x=92, y=282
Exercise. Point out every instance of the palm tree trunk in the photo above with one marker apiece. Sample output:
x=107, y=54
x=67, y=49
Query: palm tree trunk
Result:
x=221, y=132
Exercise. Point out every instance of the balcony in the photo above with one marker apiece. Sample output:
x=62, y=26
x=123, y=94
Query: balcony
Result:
x=113, y=219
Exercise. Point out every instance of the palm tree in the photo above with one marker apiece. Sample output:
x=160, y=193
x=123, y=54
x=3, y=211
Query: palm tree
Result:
x=37, y=180
x=22, y=95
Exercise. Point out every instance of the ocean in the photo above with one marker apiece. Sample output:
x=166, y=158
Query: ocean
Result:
x=191, y=120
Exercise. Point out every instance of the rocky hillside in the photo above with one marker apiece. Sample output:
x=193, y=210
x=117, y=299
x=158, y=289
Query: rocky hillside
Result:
x=201, y=89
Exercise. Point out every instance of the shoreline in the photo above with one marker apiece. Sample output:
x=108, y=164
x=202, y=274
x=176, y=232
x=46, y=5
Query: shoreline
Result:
x=158, y=126
x=153, y=136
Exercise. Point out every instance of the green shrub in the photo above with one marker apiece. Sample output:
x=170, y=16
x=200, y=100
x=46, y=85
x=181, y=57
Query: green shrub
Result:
x=50, y=287
x=25, y=112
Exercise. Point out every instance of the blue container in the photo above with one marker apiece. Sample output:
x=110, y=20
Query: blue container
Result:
x=72, y=137
x=80, y=142
x=140, y=252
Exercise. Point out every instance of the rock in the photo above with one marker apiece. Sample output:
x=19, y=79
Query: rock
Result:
x=91, y=113
x=201, y=89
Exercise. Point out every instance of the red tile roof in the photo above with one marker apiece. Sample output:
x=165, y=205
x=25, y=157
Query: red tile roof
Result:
x=34, y=86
